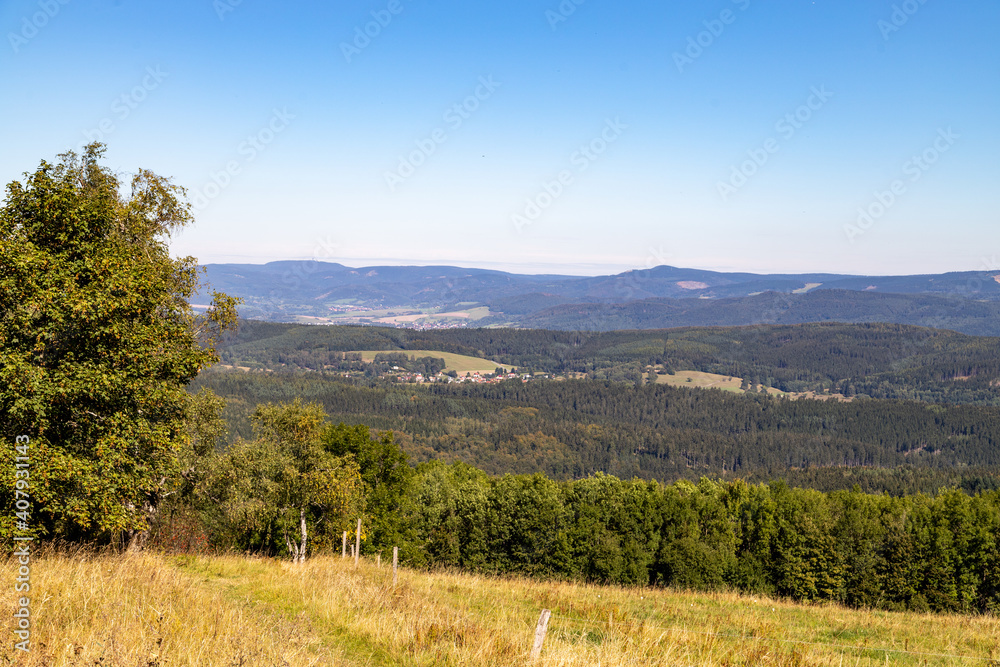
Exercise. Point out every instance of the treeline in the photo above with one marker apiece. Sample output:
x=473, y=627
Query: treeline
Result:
x=974, y=316
x=572, y=429
x=917, y=552
x=874, y=360
x=897, y=481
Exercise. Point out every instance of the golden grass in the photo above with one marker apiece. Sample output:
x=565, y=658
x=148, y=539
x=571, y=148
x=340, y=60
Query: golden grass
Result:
x=149, y=609
x=702, y=380
x=461, y=363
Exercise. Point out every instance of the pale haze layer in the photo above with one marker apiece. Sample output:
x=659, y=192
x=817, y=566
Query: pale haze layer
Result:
x=579, y=137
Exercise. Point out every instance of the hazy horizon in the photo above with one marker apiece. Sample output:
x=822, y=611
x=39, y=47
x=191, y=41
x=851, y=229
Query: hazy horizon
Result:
x=556, y=136
x=566, y=270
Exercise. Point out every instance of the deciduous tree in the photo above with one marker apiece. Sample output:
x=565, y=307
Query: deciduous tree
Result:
x=285, y=485
x=97, y=341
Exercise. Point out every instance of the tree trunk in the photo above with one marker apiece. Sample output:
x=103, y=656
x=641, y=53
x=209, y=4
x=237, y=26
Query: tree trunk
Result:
x=298, y=551
x=137, y=539
x=302, y=545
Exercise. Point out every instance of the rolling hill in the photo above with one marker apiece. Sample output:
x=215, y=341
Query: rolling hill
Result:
x=660, y=297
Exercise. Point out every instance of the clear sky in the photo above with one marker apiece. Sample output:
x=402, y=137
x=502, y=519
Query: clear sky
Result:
x=585, y=136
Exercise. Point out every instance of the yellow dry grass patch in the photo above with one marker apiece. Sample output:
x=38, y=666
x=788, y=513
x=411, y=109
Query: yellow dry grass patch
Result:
x=150, y=609
x=137, y=609
x=702, y=380
x=460, y=363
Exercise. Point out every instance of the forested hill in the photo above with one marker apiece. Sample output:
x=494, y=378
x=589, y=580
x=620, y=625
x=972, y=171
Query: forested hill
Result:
x=304, y=281
x=659, y=297
x=971, y=316
x=875, y=360
x=574, y=428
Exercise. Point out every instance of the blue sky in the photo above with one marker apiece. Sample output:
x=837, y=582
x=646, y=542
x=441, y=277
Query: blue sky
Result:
x=853, y=136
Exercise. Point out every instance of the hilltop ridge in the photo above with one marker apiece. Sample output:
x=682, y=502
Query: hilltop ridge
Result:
x=660, y=297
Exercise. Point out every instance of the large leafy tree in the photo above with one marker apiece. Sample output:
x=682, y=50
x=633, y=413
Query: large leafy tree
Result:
x=97, y=342
x=284, y=487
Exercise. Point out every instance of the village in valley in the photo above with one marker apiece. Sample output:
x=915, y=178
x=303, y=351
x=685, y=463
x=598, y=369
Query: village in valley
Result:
x=401, y=375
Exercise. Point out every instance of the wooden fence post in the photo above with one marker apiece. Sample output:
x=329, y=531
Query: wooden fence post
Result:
x=343, y=546
x=357, y=544
x=395, y=563
x=378, y=560
x=540, y=629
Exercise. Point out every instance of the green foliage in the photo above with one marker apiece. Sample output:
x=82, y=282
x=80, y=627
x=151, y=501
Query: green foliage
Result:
x=448, y=516
x=876, y=360
x=385, y=476
x=285, y=484
x=574, y=428
x=179, y=522
x=97, y=342
x=917, y=552
x=525, y=517
x=385, y=361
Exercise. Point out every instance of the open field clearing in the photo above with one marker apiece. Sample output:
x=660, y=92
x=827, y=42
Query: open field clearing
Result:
x=727, y=383
x=460, y=363
x=150, y=609
x=700, y=380
x=706, y=381
x=434, y=317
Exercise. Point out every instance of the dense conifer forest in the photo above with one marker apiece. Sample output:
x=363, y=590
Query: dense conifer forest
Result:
x=572, y=429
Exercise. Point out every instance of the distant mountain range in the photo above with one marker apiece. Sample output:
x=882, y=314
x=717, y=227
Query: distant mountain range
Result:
x=663, y=296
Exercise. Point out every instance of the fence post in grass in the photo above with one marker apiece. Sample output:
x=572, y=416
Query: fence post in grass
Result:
x=357, y=544
x=343, y=546
x=540, y=629
x=395, y=563
x=378, y=560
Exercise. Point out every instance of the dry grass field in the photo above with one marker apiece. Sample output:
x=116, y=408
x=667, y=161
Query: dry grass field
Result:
x=705, y=381
x=726, y=383
x=153, y=610
x=460, y=363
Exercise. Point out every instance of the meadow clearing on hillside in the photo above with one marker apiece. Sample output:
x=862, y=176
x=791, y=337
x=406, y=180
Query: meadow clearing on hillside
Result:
x=155, y=610
x=704, y=381
x=460, y=363
x=701, y=380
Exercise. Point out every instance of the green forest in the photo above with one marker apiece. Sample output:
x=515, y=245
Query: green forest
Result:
x=917, y=552
x=874, y=360
x=571, y=429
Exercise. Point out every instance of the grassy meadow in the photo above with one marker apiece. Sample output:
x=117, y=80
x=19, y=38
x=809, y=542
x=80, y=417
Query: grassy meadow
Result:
x=155, y=610
x=702, y=380
x=460, y=363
